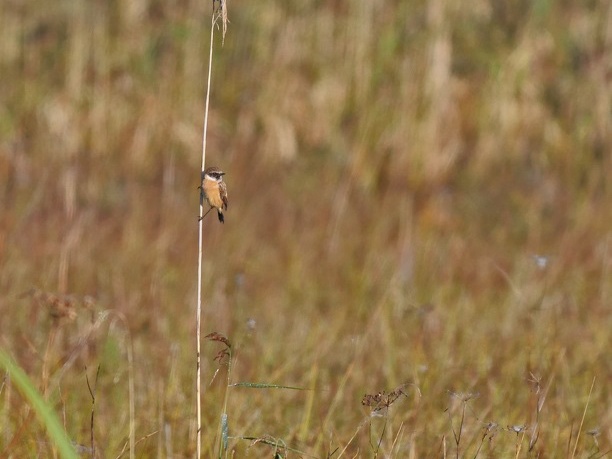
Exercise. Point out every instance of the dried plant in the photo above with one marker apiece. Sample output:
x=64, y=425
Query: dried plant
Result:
x=224, y=354
x=464, y=398
x=380, y=403
x=220, y=14
x=383, y=400
x=489, y=431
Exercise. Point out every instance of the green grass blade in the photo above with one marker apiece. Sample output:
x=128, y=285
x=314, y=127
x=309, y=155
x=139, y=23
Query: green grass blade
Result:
x=42, y=408
x=224, y=432
x=265, y=386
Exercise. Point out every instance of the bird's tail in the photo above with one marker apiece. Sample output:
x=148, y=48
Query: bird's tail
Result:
x=220, y=215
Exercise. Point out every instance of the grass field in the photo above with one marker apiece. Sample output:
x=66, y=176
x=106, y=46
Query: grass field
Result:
x=417, y=256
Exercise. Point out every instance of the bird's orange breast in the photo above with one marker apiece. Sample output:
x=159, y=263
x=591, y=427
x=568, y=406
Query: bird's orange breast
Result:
x=212, y=195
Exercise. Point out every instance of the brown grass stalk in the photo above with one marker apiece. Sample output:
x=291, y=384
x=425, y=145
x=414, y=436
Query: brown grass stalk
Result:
x=586, y=406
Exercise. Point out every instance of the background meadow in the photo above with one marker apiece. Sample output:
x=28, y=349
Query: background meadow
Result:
x=420, y=203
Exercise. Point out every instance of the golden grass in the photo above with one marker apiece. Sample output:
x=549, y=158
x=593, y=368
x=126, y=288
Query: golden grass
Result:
x=393, y=169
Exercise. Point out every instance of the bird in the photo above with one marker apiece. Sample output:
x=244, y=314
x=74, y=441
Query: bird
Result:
x=214, y=190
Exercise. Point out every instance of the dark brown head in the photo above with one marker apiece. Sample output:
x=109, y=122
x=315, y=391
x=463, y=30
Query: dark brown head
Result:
x=213, y=173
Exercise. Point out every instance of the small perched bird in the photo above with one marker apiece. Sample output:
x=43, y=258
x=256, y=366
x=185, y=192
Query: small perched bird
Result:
x=214, y=190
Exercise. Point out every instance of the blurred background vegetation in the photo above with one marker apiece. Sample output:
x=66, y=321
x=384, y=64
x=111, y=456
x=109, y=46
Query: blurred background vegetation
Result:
x=419, y=193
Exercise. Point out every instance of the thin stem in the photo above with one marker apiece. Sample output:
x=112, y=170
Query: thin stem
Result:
x=583, y=416
x=199, y=305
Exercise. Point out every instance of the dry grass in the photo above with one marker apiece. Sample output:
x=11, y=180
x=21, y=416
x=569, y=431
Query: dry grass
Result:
x=420, y=195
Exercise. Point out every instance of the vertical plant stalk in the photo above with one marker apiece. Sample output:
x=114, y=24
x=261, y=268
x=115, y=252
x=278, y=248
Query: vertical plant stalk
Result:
x=131, y=391
x=92, y=394
x=200, y=255
x=582, y=420
x=220, y=13
x=224, y=427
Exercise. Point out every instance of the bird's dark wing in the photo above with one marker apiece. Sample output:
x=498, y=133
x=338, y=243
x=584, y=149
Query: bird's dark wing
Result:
x=223, y=192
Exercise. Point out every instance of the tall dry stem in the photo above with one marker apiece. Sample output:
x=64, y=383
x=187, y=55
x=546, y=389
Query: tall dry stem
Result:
x=218, y=14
